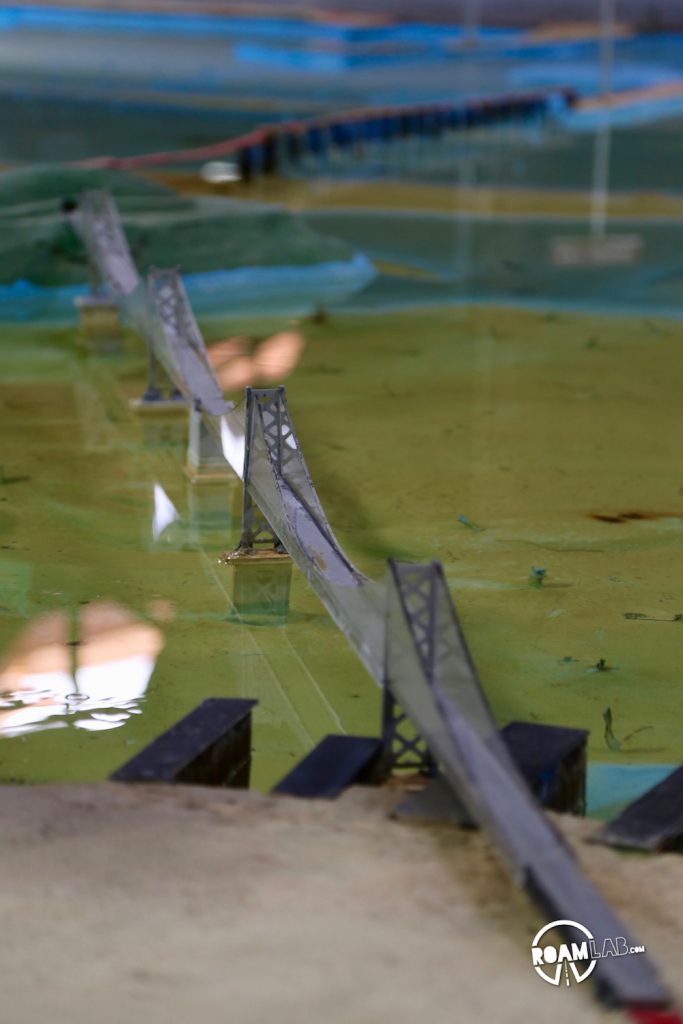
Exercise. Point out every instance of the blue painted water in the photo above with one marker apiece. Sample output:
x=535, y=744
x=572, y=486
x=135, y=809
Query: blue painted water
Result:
x=613, y=786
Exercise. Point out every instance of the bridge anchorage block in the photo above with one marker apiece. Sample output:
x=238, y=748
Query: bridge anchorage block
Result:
x=338, y=762
x=551, y=758
x=211, y=746
x=653, y=823
x=99, y=322
x=206, y=463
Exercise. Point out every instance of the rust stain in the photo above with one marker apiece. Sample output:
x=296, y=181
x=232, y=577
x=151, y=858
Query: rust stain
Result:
x=319, y=561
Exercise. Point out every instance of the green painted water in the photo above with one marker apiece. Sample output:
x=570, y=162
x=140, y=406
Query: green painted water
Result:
x=554, y=434
x=77, y=514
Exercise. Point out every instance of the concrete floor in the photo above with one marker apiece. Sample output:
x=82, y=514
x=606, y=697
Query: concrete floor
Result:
x=170, y=904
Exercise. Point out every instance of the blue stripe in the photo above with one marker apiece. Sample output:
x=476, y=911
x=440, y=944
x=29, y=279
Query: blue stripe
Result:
x=275, y=28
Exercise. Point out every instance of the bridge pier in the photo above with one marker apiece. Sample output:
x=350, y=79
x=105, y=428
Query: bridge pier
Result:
x=153, y=399
x=257, y=533
x=206, y=462
x=262, y=569
x=99, y=323
x=261, y=584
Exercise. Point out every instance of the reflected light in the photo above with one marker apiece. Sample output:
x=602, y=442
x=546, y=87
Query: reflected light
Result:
x=271, y=361
x=276, y=357
x=237, y=374
x=164, y=512
x=161, y=608
x=95, y=681
x=218, y=172
x=233, y=444
x=230, y=348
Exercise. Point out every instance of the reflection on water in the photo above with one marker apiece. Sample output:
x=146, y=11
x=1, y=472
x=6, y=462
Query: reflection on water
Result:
x=90, y=671
x=165, y=512
x=208, y=517
x=260, y=587
x=237, y=366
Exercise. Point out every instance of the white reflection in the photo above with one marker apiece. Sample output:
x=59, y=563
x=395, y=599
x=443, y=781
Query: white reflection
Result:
x=270, y=362
x=217, y=172
x=94, y=671
x=165, y=512
x=232, y=442
x=125, y=678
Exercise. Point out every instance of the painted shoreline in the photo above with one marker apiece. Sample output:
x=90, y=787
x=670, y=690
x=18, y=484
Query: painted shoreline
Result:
x=285, y=27
x=286, y=289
